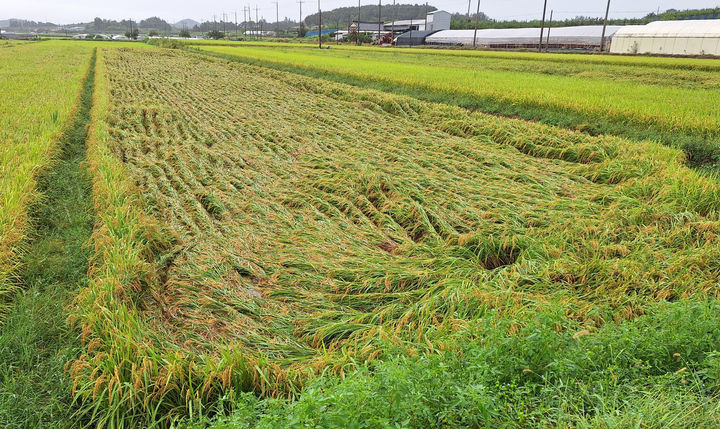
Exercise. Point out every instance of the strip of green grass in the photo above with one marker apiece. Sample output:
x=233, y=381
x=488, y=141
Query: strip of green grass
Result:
x=35, y=345
x=657, y=371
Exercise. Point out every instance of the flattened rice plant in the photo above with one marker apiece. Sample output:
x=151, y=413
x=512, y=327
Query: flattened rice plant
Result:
x=257, y=228
x=674, y=105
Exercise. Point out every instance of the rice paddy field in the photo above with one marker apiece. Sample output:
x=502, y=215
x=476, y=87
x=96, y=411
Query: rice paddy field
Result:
x=633, y=97
x=272, y=244
x=40, y=85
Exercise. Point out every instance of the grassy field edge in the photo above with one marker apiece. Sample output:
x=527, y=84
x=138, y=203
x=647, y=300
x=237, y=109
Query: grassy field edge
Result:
x=15, y=244
x=35, y=344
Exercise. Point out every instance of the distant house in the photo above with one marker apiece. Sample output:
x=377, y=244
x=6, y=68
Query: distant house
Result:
x=15, y=36
x=260, y=33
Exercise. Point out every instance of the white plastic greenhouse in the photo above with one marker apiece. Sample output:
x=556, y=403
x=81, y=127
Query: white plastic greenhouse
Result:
x=586, y=36
x=691, y=37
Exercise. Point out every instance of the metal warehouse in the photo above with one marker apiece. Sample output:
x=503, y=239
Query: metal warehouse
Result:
x=691, y=37
x=587, y=36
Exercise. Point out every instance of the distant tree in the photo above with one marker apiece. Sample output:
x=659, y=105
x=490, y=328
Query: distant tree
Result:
x=132, y=34
x=184, y=33
x=156, y=23
x=343, y=16
x=215, y=34
x=152, y=33
x=99, y=24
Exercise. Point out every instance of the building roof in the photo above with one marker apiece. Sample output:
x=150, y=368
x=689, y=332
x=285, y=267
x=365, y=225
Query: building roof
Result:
x=413, y=38
x=367, y=26
x=580, y=35
x=685, y=28
x=314, y=33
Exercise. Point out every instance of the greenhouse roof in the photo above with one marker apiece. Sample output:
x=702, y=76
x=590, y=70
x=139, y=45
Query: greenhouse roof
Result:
x=686, y=28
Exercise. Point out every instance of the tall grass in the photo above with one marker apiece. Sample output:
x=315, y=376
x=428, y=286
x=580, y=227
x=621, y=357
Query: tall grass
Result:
x=258, y=229
x=40, y=85
x=35, y=345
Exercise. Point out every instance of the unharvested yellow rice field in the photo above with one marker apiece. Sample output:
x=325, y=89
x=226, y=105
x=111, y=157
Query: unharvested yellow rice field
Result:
x=258, y=228
x=40, y=84
x=252, y=237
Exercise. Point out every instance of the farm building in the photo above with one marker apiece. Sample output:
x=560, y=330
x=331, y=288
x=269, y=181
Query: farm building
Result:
x=580, y=37
x=325, y=31
x=412, y=38
x=437, y=20
x=688, y=37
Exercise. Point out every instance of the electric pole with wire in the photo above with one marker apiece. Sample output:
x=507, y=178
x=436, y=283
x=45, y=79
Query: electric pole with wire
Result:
x=602, y=38
x=357, y=29
x=277, y=18
x=300, y=32
x=319, y=26
x=394, y=17
x=425, y=29
x=257, y=24
x=547, y=40
x=542, y=27
x=477, y=22
x=379, y=19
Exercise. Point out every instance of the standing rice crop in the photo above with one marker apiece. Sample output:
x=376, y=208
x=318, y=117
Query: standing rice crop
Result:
x=40, y=86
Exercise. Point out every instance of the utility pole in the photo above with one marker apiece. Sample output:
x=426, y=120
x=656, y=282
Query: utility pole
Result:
x=425, y=29
x=245, y=20
x=602, y=38
x=468, y=14
x=477, y=22
x=257, y=24
x=394, y=17
x=319, y=26
x=300, y=23
x=357, y=29
x=542, y=28
x=277, y=18
x=379, y=19
x=547, y=41
x=236, y=25
x=224, y=19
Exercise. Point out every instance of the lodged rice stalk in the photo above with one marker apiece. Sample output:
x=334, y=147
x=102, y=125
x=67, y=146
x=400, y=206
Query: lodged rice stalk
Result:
x=257, y=228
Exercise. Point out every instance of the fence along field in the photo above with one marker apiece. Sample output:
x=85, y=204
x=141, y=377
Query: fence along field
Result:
x=40, y=85
x=263, y=227
x=660, y=99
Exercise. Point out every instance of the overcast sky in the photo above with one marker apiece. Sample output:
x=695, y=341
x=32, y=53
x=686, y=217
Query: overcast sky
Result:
x=70, y=11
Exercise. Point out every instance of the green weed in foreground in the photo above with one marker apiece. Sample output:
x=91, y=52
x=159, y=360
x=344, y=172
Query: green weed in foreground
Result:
x=659, y=370
x=35, y=345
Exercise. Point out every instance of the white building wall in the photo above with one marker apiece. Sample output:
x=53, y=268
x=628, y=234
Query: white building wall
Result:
x=691, y=37
x=440, y=21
